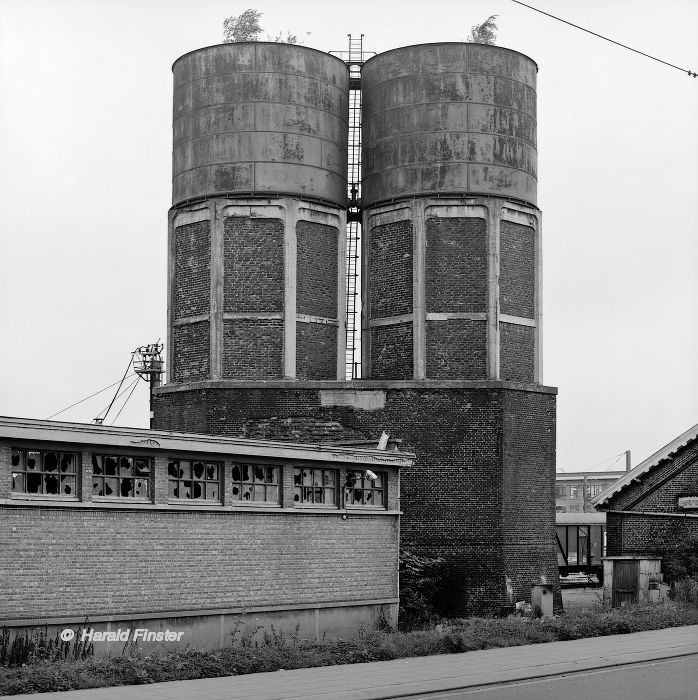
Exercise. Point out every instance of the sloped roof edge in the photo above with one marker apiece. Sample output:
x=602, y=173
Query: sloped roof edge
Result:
x=650, y=463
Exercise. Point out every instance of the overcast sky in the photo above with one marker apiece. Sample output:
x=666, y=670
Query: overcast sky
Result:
x=85, y=185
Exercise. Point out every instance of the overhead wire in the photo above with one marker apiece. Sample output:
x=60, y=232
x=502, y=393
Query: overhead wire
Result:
x=692, y=74
x=134, y=385
x=128, y=366
x=106, y=410
x=77, y=403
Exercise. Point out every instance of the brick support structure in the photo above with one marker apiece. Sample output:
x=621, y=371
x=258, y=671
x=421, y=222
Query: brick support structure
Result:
x=243, y=274
x=465, y=273
x=480, y=492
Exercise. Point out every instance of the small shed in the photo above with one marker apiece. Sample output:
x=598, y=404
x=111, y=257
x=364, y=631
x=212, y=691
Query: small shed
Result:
x=629, y=579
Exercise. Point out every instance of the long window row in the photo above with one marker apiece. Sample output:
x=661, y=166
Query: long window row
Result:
x=124, y=478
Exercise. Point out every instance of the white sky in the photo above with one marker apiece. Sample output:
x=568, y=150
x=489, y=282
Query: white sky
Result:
x=85, y=168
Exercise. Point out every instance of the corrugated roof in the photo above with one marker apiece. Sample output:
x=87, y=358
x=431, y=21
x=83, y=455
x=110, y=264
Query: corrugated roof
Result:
x=650, y=463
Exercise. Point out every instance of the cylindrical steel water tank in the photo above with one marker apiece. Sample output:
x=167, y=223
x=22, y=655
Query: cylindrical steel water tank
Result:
x=258, y=225
x=451, y=238
x=449, y=119
x=256, y=117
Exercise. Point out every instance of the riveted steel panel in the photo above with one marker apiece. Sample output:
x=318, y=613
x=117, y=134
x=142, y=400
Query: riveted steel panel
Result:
x=260, y=118
x=449, y=119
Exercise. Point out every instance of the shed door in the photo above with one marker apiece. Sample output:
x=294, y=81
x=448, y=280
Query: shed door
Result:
x=625, y=579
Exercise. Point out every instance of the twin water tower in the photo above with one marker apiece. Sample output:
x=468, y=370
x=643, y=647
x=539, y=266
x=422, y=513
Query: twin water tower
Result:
x=451, y=284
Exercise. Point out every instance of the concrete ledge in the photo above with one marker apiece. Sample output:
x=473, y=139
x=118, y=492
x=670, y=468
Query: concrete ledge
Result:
x=360, y=385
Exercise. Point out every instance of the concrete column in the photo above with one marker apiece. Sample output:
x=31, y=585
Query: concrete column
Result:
x=419, y=307
x=169, y=354
x=217, y=278
x=365, y=296
x=290, y=269
x=538, y=302
x=342, y=297
x=494, y=213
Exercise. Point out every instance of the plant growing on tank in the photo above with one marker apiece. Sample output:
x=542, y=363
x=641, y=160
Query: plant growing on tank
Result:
x=246, y=27
x=484, y=33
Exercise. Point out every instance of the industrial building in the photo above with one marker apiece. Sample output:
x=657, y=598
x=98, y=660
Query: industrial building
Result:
x=653, y=509
x=122, y=528
x=450, y=271
x=575, y=492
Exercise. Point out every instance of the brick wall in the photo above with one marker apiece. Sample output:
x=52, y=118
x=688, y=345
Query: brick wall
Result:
x=528, y=521
x=452, y=499
x=253, y=349
x=637, y=534
x=516, y=352
x=316, y=351
x=390, y=263
x=192, y=276
x=391, y=352
x=77, y=562
x=517, y=269
x=456, y=265
x=191, y=352
x=456, y=349
x=254, y=264
x=316, y=287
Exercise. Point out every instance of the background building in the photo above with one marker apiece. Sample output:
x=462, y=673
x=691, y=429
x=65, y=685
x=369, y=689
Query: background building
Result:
x=451, y=263
x=575, y=492
x=653, y=509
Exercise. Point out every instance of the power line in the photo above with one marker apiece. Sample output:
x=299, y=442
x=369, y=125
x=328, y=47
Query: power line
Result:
x=605, y=38
x=135, y=384
x=118, y=395
x=128, y=366
x=87, y=397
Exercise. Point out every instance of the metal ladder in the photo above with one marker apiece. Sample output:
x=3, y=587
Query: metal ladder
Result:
x=355, y=60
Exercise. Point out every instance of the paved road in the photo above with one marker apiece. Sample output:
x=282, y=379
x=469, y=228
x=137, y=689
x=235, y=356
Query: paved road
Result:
x=500, y=669
x=671, y=679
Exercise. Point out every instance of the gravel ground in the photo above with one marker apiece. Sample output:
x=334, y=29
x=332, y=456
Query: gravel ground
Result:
x=582, y=599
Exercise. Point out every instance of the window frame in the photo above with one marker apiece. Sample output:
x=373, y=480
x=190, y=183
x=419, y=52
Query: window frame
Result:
x=367, y=486
x=24, y=451
x=178, y=500
x=236, y=500
x=149, y=459
x=301, y=489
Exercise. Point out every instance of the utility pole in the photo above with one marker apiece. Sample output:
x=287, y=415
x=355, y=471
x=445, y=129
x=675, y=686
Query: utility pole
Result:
x=148, y=362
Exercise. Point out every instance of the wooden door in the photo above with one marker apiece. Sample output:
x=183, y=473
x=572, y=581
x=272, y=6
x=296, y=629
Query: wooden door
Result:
x=625, y=580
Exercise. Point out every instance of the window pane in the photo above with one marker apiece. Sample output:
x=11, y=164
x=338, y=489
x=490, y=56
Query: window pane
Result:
x=18, y=482
x=174, y=489
x=237, y=473
x=126, y=466
x=199, y=470
x=258, y=472
x=51, y=483
x=97, y=464
x=68, y=485
x=141, y=488
x=110, y=464
x=33, y=460
x=111, y=486
x=141, y=467
x=97, y=486
x=68, y=463
x=212, y=472
x=50, y=462
x=16, y=458
x=33, y=483
x=212, y=490
x=273, y=494
x=259, y=492
x=126, y=487
x=184, y=469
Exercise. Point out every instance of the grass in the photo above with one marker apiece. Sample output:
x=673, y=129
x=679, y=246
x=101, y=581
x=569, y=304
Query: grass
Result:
x=278, y=651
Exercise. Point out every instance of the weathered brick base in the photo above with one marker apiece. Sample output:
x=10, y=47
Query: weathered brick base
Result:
x=480, y=494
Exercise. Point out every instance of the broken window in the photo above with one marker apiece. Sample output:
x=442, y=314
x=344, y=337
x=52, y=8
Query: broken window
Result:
x=46, y=473
x=313, y=485
x=360, y=490
x=120, y=476
x=195, y=480
x=255, y=482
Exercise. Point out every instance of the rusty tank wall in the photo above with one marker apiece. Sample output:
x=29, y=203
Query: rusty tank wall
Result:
x=258, y=224
x=449, y=119
x=451, y=231
x=260, y=117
